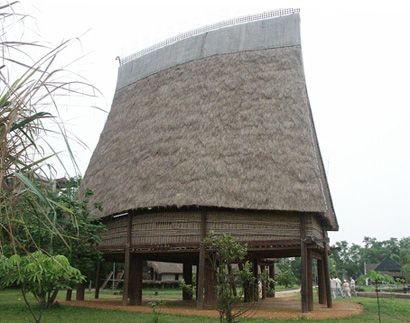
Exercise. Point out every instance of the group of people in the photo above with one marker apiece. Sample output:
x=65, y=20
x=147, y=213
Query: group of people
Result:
x=345, y=289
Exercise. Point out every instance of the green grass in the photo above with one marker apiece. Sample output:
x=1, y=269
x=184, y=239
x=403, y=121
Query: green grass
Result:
x=12, y=309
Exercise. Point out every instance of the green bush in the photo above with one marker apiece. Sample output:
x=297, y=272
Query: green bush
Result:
x=39, y=274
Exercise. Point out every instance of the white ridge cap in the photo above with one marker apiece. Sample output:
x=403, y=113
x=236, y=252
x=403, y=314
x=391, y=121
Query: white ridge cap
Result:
x=205, y=29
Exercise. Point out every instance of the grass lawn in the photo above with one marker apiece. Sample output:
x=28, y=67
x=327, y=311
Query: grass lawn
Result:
x=12, y=309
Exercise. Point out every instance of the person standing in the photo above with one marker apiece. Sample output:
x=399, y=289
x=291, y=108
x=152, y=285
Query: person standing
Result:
x=339, y=287
x=346, y=289
x=333, y=287
x=352, y=286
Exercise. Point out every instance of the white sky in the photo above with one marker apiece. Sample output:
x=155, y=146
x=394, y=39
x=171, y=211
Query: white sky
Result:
x=357, y=64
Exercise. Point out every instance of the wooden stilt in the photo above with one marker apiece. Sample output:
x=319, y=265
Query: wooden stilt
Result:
x=135, y=280
x=127, y=256
x=187, y=275
x=201, y=264
x=264, y=283
x=304, y=266
x=232, y=281
x=196, y=283
x=209, y=286
x=325, y=258
x=68, y=295
x=79, y=296
x=321, y=282
x=271, y=290
x=97, y=280
x=255, y=285
x=329, y=300
x=246, y=287
x=310, y=280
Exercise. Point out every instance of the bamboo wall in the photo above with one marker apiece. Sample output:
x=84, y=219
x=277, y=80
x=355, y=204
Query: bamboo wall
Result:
x=184, y=227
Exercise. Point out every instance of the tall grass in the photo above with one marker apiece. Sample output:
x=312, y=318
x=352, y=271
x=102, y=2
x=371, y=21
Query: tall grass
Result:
x=32, y=84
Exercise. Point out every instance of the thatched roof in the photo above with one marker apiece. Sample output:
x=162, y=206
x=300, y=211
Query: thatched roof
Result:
x=165, y=267
x=388, y=264
x=231, y=130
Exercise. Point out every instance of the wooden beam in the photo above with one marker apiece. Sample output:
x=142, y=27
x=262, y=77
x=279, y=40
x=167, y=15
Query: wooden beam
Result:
x=264, y=282
x=201, y=263
x=187, y=276
x=68, y=295
x=97, y=280
x=255, y=287
x=209, y=286
x=127, y=260
x=79, y=296
x=135, y=281
x=329, y=300
x=271, y=276
x=246, y=287
x=321, y=282
x=310, y=280
x=304, y=266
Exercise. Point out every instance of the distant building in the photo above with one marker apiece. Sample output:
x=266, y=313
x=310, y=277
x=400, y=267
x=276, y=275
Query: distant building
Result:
x=387, y=267
x=164, y=271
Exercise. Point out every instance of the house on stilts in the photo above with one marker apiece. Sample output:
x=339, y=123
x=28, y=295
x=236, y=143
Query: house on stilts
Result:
x=212, y=131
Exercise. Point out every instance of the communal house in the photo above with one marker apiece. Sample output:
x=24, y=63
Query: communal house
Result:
x=212, y=130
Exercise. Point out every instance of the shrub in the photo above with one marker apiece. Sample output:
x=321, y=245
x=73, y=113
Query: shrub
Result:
x=39, y=274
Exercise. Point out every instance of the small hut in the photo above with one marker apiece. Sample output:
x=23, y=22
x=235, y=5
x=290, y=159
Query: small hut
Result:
x=387, y=267
x=212, y=131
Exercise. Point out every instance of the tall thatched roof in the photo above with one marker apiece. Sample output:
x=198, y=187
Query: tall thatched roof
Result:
x=221, y=119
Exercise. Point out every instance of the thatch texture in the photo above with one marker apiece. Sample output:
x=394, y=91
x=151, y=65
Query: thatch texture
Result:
x=230, y=131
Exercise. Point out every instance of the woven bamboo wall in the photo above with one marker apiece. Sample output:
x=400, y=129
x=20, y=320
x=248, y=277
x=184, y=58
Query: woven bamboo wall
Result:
x=314, y=227
x=255, y=226
x=164, y=228
x=115, y=234
x=184, y=227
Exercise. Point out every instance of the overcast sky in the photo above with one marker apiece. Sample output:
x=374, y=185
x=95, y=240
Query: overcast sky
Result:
x=357, y=64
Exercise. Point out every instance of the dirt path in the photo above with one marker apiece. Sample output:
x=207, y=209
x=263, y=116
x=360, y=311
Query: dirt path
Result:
x=284, y=307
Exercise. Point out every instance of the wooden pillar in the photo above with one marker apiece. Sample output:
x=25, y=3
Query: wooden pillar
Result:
x=97, y=280
x=127, y=256
x=79, y=296
x=304, y=266
x=201, y=264
x=264, y=282
x=271, y=276
x=196, y=282
x=187, y=276
x=246, y=287
x=255, y=287
x=135, y=280
x=68, y=295
x=232, y=281
x=321, y=282
x=325, y=257
x=209, y=286
x=310, y=280
x=329, y=300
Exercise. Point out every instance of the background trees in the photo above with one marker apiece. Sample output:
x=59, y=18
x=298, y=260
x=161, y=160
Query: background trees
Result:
x=348, y=260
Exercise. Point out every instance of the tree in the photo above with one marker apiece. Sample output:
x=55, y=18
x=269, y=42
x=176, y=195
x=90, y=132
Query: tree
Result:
x=39, y=274
x=30, y=89
x=224, y=251
x=285, y=276
x=32, y=82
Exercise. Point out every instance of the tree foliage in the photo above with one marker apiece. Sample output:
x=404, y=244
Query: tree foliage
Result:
x=39, y=274
x=225, y=251
x=348, y=260
x=31, y=86
x=286, y=277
